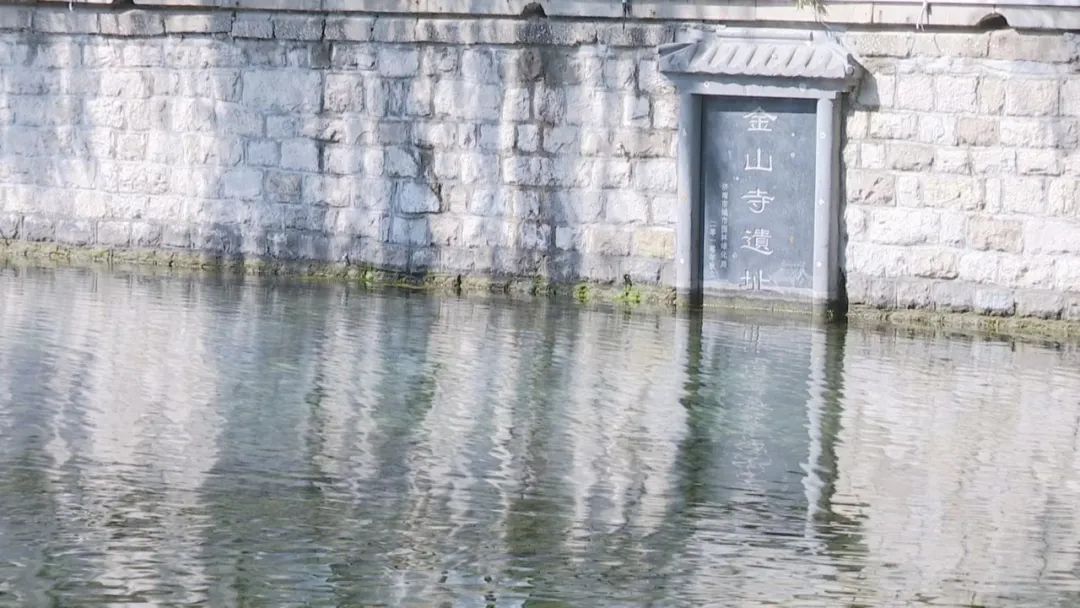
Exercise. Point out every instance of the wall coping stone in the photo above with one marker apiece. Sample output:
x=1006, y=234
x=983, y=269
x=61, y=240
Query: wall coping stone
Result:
x=1024, y=14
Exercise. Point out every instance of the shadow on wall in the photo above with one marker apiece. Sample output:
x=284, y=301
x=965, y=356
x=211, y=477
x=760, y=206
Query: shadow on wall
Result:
x=283, y=137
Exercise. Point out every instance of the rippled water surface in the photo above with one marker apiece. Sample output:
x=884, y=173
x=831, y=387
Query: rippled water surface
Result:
x=193, y=441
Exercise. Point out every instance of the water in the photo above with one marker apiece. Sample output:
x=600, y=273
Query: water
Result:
x=193, y=441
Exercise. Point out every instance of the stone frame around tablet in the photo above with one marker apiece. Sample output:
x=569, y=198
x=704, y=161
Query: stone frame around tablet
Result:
x=751, y=63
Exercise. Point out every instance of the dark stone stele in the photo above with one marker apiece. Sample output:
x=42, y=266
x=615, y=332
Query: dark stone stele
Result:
x=768, y=243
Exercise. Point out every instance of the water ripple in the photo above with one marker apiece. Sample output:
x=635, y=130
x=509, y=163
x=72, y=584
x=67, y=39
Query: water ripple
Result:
x=198, y=441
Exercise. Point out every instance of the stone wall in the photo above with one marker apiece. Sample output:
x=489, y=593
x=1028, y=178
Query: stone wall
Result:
x=414, y=145
x=962, y=173
x=515, y=148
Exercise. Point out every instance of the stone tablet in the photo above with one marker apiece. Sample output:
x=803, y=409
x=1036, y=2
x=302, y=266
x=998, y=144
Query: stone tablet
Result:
x=758, y=179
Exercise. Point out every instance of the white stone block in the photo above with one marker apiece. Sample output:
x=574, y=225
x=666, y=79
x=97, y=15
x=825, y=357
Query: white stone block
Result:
x=242, y=183
x=528, y=138
x=282, y=91
x=1025, y=195
x=915, y=91
x=398, y=62
x=956, y=93
x=297, y=27
x=413, y=197
x=655, y=175
x=1031, y=97
x=349, y=28
x=1038, y=162
x=300, y=155
x=400, y=162
x=625, y=207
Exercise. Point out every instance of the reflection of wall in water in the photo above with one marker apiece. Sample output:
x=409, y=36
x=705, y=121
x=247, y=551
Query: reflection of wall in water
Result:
x=953, y=476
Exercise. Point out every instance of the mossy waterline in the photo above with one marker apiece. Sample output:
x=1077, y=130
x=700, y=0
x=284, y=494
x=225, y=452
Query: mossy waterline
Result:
x=585, y=293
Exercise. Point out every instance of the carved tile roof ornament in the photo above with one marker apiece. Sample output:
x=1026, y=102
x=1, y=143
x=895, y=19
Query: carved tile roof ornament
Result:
x=758, y=54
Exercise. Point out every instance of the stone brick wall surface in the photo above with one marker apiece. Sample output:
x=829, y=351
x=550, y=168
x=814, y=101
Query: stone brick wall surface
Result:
x=514, y=147
x=420, y=145
x=962, y=173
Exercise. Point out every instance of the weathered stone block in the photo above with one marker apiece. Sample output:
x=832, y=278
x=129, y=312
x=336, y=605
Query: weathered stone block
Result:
x=655, y=242
x=891, y=125
x=607, y=240
x=976, y=131
x=1046, y=47
x=915, y=92
x=398, y=62
x=1070, y=96
x=528, y=138
x=75, y=232
x=65, y=22
x=353, y=57
x=253, y=26
x=349, y=28
x=242, y=183
x=909, y=157
x=527, y=171
x=1042, y=304
x=990, y=234
x=412, y=197
x=1026, y=271
x=1039, y=162
x=9, y=224
x=207, y=23
x=937, y=129
x=479, y=168
x=897, y=226
x=300, y=155
x=36, y=228
x=880, y=44
x=625, y=207
x=262, y=153
x=1063, y=197
x=282, y=91
x=1031, y=97
x=113, y=234
x=344, y=93
x=15, y=19
x=992, y=301
x=400, y=162
x=991, y=94
x=978, y=266
x=236, y=119
x=952, y=160
x=870, y=188
x=965, y=44
x=955, y=93
x=1024, y=195
x=471, y=102
x=635, y=111
x=499, y=137
x=144, y=234
x=1051, y=236
x=297, y=27
x=993, y=161
x=567, y=237
x=131, y=23
x=1037, y=133
x=951, y=192
x=655, y=175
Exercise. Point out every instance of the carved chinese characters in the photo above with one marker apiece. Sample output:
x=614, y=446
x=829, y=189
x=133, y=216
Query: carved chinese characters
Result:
x=758, y=192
